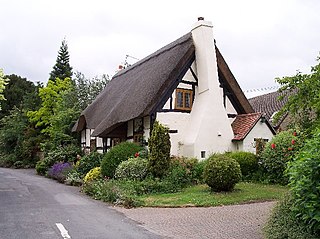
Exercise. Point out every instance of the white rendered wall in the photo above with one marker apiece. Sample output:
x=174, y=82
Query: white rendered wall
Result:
x=230, y=109
x=130, y=128
x=209, y=128
x=146, y=128
x=99, y=144
x=260, y=130
x=175, y=121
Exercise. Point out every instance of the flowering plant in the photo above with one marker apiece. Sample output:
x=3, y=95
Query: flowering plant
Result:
x=278, y=152
x=59, y=171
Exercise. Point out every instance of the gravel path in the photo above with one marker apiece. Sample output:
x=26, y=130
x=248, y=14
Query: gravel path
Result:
x=226, y=222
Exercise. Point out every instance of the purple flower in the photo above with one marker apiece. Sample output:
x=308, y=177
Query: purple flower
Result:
x=59, y=170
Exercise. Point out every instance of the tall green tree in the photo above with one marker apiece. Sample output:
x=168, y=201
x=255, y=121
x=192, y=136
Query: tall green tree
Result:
x=303, y=104
x=62, y=68
x=3, y=82
x=57, y=113
x=16, y=93
x=88, y=89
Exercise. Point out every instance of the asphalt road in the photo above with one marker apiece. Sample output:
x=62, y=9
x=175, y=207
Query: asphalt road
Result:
x=34, y=207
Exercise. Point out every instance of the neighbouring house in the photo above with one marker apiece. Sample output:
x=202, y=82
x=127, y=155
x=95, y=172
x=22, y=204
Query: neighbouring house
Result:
x=270, y=104
x=247, y=127
x=188, y=87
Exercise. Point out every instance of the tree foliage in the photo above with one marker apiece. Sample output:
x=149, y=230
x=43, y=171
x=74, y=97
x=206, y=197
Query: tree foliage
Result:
x=88, y=89
x=20, y=93
x=304, y=101
x=3, y=82
x=58, y=111
x=19, y=141
x=159, y=147
x=62, y=68
x=304, y=176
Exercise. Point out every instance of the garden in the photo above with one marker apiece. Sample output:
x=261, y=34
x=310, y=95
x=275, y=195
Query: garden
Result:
x=130, y=175
x=36, y=122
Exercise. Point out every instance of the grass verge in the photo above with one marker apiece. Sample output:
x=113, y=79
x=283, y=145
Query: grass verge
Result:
x=201, y=196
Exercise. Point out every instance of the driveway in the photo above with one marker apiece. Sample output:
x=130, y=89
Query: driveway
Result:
x=226, y=222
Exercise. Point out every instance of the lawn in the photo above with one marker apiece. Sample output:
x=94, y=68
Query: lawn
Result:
x=201, y=196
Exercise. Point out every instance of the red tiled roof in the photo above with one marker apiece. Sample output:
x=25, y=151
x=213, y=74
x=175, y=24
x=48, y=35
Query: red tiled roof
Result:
x=243, y=124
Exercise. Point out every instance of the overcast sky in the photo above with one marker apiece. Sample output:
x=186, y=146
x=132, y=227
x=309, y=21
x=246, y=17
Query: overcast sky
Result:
x=260, y=40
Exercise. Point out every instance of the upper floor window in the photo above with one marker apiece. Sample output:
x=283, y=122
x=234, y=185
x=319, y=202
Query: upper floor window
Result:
x=183, y=99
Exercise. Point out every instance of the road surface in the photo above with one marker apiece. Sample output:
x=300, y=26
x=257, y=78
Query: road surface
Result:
x=34, y=207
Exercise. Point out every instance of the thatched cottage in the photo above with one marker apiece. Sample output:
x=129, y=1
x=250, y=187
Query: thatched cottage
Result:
x=187, y=86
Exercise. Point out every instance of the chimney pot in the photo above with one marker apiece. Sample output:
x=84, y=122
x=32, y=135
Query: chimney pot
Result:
x=200, y=18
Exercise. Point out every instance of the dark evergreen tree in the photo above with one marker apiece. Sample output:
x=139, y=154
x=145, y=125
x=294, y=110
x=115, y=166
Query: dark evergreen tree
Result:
x=20, y=93
x=62, y=68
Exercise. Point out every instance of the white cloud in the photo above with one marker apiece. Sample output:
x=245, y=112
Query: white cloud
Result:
x=260, y=40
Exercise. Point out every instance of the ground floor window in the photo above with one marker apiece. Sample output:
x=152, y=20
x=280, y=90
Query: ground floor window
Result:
x=260, y=144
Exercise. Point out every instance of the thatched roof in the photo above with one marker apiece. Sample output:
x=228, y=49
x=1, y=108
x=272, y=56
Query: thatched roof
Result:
x=143, y=88
x=269, y=104
x=229, y=82
x=136, y=91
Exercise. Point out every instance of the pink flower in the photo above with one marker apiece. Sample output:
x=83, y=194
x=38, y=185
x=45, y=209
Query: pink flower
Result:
x=273, y=146
x=136, y=155
x=293, y=141
x=294, y=133
x=290, y=149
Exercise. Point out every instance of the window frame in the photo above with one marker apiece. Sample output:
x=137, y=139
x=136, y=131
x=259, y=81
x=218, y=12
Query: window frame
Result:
x=184, y=93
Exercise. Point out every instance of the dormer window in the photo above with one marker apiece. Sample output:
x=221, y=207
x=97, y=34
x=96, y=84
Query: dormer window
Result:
x=183, y=99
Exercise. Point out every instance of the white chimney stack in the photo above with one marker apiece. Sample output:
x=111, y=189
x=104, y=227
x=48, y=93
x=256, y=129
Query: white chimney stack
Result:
x=208, y=115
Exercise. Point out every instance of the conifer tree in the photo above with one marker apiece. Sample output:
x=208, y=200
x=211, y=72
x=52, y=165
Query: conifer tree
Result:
x=62, y=68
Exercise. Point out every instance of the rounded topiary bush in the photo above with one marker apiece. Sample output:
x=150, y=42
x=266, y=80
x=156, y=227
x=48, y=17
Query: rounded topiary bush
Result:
x=116, y=155
x=248, y=163
x=133, y=168
x=221, y=173
x=93, y=174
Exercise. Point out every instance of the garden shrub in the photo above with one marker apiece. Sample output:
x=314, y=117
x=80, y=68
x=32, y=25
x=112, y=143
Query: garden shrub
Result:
x=112, y=191
x=61, y=154
x=278, y=152
x=88, y=162
x=73, y=178
x=93, y=174
x=116, y=155
x=159, y=150
x=42, y=167
x=221, y=173
x=7, y=160
x=197, y=171
x=182, y=171
x=283, y=223
x=59, y=171
x=133, y=168
x=18, y=164
x=248, y=163
x=304, y=177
